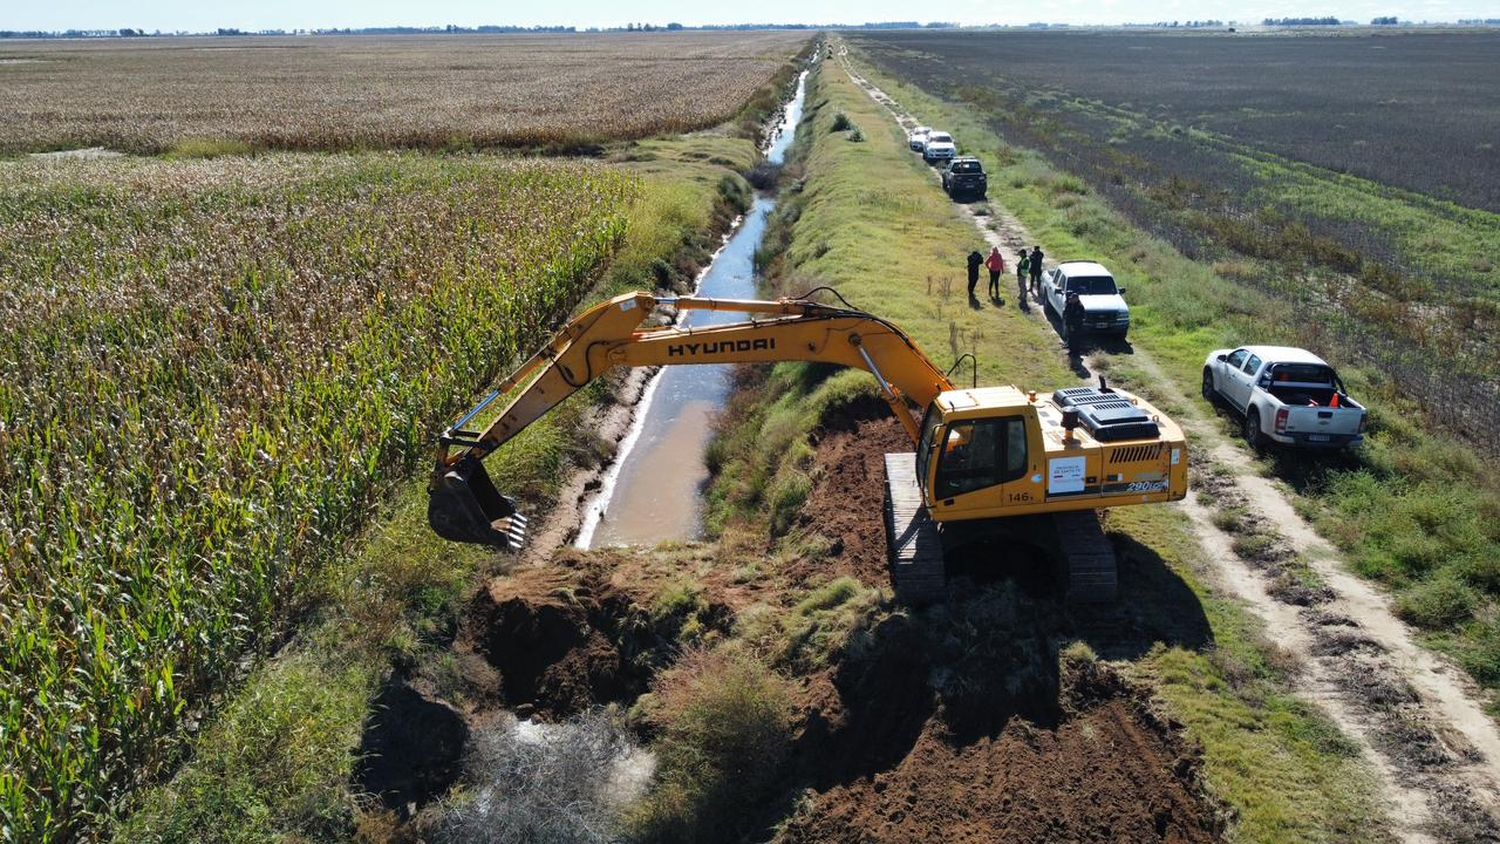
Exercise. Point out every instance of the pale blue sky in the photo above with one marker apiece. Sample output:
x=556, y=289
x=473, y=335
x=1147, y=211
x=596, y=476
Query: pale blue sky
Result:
x=306, y=14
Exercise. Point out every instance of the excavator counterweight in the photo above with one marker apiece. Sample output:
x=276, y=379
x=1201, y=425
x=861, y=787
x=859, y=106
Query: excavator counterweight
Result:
x=982, y=455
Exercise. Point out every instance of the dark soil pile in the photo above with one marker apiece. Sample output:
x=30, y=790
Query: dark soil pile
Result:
x=957, y=724
x=1110, y=771
x=562, y=640
x=849, y=480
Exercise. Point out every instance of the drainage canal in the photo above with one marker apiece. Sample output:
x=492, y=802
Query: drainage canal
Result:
x=653, y=492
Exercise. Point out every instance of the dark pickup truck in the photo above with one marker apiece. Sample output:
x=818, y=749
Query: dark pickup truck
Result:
x=965, y=176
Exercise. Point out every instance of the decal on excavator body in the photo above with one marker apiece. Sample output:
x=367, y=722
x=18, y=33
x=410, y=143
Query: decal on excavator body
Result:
x=720, y=347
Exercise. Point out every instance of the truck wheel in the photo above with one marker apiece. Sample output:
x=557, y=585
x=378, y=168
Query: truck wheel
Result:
x=1253, y=435
x=1210, y=393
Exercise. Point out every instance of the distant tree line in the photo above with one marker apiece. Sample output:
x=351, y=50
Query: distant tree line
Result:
x=459, y=30
x=1387, y=20
x=450, y=29
x=1178, y=24
x=1328, y=21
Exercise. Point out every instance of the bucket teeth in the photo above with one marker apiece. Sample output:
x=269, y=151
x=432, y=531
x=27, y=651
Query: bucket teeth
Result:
x=515, y=533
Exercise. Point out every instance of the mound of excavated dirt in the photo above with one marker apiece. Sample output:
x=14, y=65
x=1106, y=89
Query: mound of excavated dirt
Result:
x=849, y=484
x=562, y=641
x=578, y=633
x=1110, y=771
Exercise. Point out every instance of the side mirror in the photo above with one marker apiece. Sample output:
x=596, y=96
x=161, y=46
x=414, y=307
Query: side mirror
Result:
x=1122, y=291
x=1221, y=358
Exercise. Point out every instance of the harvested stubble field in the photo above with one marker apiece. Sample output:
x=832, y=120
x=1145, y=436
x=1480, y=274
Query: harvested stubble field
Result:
x=208, y=372
x=1419, y=111
x=347, y=92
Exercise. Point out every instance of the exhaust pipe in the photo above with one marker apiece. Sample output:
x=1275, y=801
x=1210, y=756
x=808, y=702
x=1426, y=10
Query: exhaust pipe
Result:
x=463, y=505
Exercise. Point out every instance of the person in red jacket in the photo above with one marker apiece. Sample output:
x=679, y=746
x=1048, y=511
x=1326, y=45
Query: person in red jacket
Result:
x=996, y=265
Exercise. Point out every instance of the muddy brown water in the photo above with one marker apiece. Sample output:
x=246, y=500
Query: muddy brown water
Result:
x=654, y=492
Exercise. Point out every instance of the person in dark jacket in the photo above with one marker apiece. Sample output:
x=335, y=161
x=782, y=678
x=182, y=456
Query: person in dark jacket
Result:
x=1073, y=321
x=1034, y=265
x=975, y=261
x=996, y=265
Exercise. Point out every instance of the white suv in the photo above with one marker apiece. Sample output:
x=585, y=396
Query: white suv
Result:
x=1104, y=308
x=939, y=146
x=917, y=137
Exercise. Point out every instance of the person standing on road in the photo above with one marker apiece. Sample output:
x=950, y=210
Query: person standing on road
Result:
x=1035, y=267
x=975, y=260
x=1073, y=321
x=996, y=265
x=1021, y=263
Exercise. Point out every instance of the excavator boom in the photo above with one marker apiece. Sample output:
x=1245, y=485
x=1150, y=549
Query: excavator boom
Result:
x=465, y=505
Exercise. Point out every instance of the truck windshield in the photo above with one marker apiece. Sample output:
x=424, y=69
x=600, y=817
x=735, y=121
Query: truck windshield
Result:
x=967, y=167
x=940, y=137
x=1101, y=285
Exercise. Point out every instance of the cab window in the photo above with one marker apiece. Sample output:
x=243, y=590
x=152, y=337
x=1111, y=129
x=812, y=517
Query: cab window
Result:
x=1251, y=365
x=980, y=453
x=926, y=446
x=1237, y=359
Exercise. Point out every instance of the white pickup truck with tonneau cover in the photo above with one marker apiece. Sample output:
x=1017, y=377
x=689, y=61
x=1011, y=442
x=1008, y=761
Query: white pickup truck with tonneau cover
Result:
x=1286, y=395
x=1104, y=308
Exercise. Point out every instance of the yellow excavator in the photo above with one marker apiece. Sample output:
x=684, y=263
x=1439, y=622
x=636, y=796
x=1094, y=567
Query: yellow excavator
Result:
x=985, y=456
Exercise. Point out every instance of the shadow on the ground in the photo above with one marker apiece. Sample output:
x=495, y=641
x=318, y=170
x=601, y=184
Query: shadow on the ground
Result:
x=988, y=654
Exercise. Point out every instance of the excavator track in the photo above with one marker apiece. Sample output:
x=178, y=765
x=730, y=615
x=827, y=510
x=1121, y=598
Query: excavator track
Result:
x=914, y=544
x=1093, y=576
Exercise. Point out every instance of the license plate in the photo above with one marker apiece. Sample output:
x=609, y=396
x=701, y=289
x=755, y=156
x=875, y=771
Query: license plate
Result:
x=1318, y=438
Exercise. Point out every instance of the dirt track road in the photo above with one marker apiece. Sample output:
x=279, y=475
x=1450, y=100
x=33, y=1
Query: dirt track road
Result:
x=1417, y=717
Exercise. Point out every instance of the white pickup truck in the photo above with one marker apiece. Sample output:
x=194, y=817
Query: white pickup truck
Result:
x=939, y=146
x=1290, y=396
x=1104, y=308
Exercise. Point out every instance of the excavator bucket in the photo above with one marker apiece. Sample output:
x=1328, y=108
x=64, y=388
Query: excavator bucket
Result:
x=463, y=505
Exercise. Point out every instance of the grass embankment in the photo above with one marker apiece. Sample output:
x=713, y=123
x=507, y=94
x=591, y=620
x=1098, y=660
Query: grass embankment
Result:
x=1416, y=509
x=870, y=222
x=279, y=759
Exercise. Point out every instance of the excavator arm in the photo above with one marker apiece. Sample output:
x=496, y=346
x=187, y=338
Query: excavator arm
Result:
x=465, y=505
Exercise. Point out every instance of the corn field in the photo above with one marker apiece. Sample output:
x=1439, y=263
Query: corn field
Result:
x=357, y=92
x=208, y=370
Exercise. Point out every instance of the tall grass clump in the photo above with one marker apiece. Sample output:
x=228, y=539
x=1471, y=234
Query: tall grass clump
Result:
x=724, y=731
x=209, y=370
